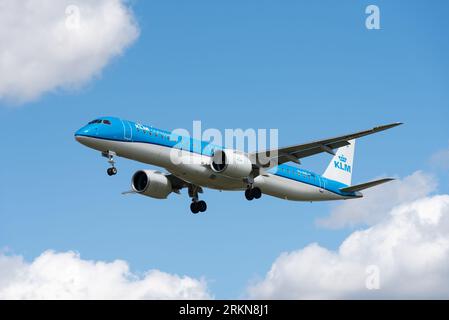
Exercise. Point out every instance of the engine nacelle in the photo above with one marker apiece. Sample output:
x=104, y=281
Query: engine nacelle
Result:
x=231, y=163
x=151, y=183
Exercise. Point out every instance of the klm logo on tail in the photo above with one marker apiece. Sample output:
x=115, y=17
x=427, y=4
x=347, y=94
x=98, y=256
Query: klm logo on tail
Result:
x=342, y=165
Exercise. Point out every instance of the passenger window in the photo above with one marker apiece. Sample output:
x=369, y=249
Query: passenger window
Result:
x=107, y=122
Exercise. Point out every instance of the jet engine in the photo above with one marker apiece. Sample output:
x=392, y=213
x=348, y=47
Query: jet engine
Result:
x=231, y=163
x=151, y=183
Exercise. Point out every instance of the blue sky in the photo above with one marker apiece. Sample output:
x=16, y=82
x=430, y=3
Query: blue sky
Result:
x=310, y=69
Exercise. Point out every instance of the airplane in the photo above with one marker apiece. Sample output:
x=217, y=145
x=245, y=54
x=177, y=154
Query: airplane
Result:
x=221, y=169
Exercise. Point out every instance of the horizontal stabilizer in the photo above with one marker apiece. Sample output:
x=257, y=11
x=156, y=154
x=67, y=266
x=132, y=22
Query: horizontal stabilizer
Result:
x=365, y=185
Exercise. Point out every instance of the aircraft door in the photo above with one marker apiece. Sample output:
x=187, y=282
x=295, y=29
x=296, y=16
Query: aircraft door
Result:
x=322, y=184
x=127, y=130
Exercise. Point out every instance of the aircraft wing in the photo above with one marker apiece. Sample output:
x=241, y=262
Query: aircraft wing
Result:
x=177, y=183
x=296, y=152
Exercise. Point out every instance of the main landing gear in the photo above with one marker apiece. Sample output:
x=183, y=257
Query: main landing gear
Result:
x=196, y=205
x=253, y=193
x=112, y=171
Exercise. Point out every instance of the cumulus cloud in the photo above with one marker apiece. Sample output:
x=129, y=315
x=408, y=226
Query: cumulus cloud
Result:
x=47, y=45
x=378, y=201
x=407, y=253
x=66, y=276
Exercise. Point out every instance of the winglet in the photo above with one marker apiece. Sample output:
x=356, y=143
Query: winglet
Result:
x=387, y=126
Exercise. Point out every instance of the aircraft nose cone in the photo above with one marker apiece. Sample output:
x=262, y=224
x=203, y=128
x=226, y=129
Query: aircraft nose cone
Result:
x=79, y=137
x=82, y=134
x=79, y=133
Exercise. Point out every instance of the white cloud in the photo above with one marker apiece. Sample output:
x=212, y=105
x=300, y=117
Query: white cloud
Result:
x=410, y=248
x=378, y=201
x=45, y=46
x=66, y=276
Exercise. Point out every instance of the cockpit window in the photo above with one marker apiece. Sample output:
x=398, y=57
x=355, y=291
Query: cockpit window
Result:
x=100, y=121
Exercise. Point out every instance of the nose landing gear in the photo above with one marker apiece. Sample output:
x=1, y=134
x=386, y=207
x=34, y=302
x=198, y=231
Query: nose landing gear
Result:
x=112, y=171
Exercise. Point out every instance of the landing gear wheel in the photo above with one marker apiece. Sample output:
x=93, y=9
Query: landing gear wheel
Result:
x=249, y=195
x=194, y=207
x=202, y=206
x=198, y=206
x=253, y=193
x=257, y=193
x=112, y=171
